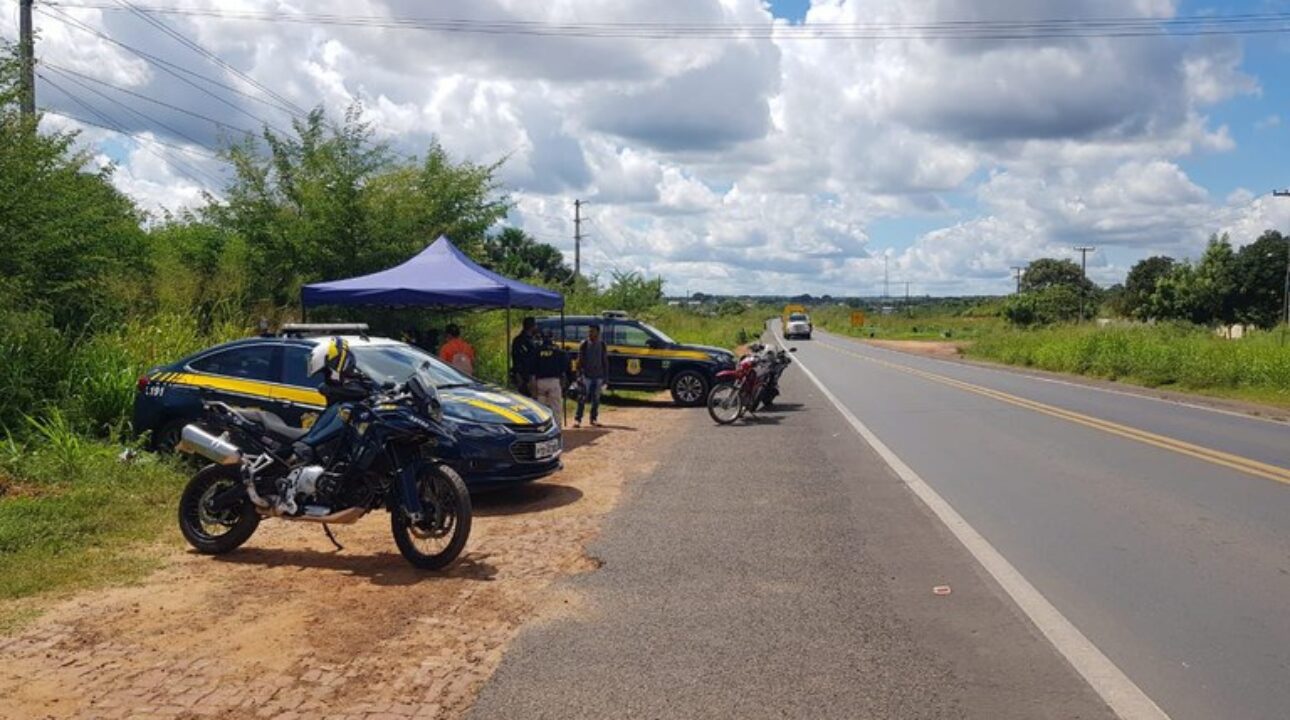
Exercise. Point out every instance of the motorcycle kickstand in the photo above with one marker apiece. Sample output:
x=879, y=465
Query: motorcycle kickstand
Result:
x=332, y=538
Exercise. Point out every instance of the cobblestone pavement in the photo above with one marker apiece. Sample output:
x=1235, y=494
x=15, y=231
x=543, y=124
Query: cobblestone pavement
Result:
x=289, y=628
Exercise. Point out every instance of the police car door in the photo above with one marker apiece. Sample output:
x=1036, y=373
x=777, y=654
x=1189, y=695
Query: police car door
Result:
x=298, y=394
x=631, y=359
x=242, y=376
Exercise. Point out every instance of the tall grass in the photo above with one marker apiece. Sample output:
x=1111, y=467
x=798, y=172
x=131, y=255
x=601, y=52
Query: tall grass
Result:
x=1188, y=357
x=921, y=325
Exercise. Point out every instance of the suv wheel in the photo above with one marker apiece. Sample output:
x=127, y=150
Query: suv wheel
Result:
x=689, y=388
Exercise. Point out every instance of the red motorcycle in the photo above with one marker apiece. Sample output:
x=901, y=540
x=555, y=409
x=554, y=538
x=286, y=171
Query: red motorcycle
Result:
x=741, y=390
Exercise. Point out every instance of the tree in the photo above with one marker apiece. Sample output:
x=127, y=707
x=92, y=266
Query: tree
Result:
x=1053, y=304
x=513, y=253
x=1260, y=272
x=1045, y=273
x=330, y=202
x=630, y=291
x=1141, y=282
x=1215, y=292
x=72, y=241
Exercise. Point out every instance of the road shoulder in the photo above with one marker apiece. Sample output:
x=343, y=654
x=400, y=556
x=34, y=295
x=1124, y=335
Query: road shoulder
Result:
x=780, y=569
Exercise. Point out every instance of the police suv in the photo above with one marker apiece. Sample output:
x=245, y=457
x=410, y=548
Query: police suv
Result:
x=642, y=357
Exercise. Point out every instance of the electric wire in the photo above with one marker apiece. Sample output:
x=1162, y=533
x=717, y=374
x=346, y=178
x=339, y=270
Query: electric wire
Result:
x=168, y=67
x=69, y=72
x=180, y=166
x=284, y=104
x=1054, y=28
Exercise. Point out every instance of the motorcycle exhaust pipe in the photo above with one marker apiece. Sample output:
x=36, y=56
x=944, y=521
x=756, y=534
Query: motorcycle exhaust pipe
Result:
x=196, y=441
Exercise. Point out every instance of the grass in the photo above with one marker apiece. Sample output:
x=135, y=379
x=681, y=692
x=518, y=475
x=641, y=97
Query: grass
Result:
x=74, y=516
x=1255, y=369
x=922, y=325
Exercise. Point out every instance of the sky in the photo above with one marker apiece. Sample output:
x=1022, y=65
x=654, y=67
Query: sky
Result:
x=760, y=165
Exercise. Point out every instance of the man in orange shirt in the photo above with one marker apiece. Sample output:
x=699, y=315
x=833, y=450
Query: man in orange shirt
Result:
x=457, y=352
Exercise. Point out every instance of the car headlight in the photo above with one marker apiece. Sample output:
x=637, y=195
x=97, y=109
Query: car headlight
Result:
x=480, y=430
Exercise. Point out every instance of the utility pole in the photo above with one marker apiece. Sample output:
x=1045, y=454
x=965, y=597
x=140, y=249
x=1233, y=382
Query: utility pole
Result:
x=886, y=279
x=27, y=59
x=1017, y=272
x=577, y=239
x=1083, y=270
x=1285, y=320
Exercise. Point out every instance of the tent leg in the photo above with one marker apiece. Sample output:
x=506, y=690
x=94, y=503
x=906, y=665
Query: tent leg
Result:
x=564, y=407
x=506, y=346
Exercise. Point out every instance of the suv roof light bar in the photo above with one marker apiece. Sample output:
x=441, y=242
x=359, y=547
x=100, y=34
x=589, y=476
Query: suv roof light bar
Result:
x=614, y=315
x=310, y=329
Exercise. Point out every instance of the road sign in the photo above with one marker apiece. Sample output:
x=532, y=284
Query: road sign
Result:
x=857, y=318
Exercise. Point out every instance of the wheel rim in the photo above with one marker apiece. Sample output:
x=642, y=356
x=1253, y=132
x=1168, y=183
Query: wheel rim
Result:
x=689, y=388
x=724, y=402
x=434, y=534
x=209, y=524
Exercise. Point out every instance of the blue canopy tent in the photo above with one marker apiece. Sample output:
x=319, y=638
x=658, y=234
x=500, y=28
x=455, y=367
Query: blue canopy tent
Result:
x=440, y=276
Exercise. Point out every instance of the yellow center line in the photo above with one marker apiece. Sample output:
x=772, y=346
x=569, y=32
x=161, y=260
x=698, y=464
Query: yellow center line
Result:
x=1210, y=455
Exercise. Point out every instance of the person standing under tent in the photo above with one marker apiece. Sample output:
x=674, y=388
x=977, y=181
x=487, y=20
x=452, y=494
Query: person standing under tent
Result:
x=548, y=376
x=524, y=356
x=593, y=372
x=456, y=351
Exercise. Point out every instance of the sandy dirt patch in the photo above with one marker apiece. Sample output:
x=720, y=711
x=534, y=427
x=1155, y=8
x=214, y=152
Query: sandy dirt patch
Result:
x=288, y=627
x=933, y=348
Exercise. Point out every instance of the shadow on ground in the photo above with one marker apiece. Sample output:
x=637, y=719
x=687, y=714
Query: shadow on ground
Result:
x=382, y=568
x=537, y=497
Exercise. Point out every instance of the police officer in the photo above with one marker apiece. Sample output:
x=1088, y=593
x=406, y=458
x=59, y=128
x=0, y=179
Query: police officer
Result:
x=549, y=370
x=524, y=357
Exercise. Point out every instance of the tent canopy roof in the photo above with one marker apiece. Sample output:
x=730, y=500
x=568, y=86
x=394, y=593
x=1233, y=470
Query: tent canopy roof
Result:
x=439, y=276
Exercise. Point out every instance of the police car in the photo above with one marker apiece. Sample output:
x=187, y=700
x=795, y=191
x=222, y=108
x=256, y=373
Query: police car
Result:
x=642, y=357
x=502, y=438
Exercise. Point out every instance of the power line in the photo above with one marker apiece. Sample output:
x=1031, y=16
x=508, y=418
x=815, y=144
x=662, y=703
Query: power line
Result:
x=285, y=104
x=69, y=72
x=166, y=66
x=183, y=168
x=1054, y=28
x=120, y=131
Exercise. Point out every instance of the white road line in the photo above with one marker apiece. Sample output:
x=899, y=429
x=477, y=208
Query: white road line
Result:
x=1021, y=373
x=1124, y=696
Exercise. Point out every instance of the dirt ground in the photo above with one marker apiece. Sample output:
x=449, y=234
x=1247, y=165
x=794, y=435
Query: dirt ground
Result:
x=288, y=627
x=934, y=348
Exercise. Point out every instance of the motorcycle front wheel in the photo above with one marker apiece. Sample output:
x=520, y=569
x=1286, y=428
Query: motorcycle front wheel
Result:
x=211, y=531
x=725, y=404
x=438, y=538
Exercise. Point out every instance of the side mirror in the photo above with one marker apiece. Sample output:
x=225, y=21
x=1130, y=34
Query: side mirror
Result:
x=654, y=344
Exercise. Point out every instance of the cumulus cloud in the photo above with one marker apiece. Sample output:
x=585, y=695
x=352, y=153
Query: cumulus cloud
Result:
x=751, y=165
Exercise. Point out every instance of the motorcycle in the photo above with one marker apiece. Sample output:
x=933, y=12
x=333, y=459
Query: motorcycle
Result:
x=385, y=458
x=753, y=382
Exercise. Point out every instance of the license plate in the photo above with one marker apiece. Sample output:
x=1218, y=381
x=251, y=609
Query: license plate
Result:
x=546, y=449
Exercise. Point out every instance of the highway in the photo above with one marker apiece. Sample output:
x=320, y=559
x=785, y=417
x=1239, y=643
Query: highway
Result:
x=1160, y=531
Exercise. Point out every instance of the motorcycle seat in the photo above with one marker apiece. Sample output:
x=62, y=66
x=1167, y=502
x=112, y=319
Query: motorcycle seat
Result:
x=273, y=424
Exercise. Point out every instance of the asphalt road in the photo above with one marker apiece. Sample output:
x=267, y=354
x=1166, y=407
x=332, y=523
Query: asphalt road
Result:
x=780, y=569
x=1160, y=531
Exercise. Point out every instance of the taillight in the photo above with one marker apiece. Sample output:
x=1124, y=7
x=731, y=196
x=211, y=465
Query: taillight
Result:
x=142, y=383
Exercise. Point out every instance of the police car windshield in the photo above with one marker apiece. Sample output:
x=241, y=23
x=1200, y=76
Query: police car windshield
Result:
x=397, y=363
x=659, y=334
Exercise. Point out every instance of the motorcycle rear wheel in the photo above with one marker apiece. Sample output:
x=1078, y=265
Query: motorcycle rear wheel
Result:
x=725, y=404
x=436, y=541
x=210, y=532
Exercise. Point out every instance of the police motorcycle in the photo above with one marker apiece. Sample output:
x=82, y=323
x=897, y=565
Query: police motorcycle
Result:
x=377, y=450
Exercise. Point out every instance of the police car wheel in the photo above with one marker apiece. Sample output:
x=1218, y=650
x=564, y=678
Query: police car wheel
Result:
x=689, y=388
